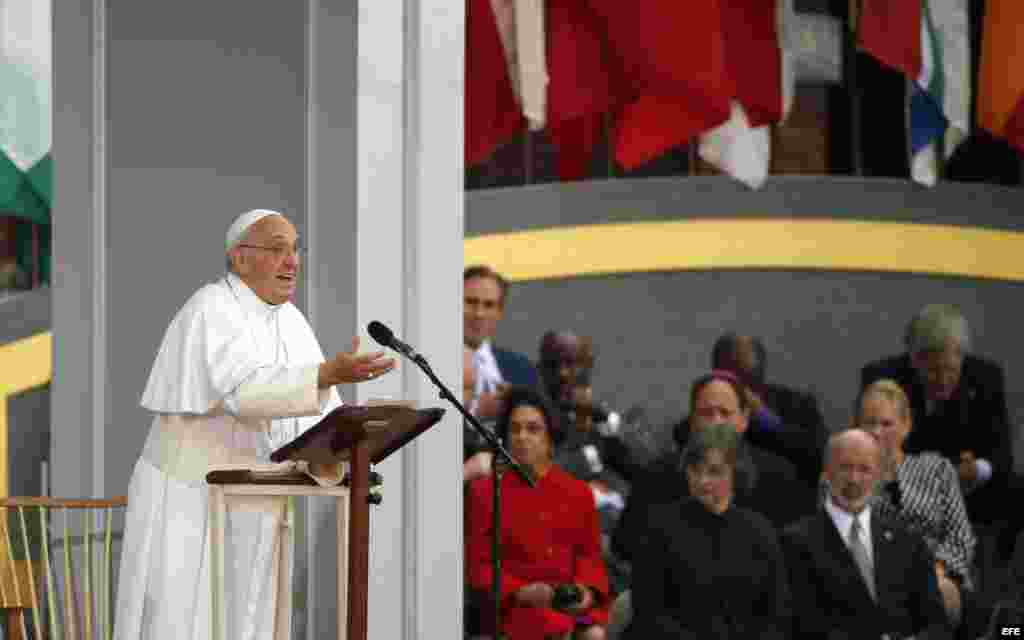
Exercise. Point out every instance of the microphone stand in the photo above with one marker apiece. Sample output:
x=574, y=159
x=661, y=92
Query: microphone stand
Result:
x=502, y=459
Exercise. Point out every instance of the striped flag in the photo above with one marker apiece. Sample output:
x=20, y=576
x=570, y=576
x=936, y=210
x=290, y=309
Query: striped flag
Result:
x=1001, y=82
x=928, y=41
x=940, y=99
x=579, y=92
x=26, y=130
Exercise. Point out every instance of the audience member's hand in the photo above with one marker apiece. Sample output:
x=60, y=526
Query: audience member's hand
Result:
x=477, y=466
x=347, y=367
x=488, y=405
x=950, y=597
x=536, y=594
x=968, y=468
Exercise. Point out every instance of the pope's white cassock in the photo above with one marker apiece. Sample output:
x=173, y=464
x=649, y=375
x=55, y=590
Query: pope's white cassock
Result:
x=234, y=379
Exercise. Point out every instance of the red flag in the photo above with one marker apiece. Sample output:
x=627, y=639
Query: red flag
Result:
x=890, y=30
x=668, y=66
x=753, y=57
x=578, y=92
x=492, y=114
x=1001, y=85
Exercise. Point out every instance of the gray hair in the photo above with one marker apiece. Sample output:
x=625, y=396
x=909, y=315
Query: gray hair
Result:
x=934, y=326
x=720, y=436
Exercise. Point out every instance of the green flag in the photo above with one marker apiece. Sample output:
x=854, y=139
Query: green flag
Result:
x=26, y=116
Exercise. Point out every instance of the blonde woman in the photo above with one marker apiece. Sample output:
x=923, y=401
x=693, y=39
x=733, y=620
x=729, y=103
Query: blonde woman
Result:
x=921, y=490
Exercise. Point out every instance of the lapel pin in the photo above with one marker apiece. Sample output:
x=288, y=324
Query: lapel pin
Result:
x=887, y=535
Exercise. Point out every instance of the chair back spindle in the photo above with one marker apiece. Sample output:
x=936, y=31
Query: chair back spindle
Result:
x=48, y=590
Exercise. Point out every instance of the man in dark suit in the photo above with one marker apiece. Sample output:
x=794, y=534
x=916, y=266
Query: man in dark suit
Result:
x=774, y=489
x=958, y=402
x=485, y=293
x=783, y=420
x=854, y=573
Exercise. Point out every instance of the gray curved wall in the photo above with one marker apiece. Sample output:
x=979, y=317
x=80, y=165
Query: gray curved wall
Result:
x=654, y=331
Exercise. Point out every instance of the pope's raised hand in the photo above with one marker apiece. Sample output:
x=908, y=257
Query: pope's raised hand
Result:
x=348, y=367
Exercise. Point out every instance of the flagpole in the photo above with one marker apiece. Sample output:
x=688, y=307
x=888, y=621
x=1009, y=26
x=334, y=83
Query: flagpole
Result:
x=850, y=73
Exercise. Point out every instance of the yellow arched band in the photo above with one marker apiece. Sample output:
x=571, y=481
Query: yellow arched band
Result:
x=26, y=364
x=782, y=243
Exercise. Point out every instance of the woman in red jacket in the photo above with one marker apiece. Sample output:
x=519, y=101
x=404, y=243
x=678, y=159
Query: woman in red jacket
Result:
x=550, y=535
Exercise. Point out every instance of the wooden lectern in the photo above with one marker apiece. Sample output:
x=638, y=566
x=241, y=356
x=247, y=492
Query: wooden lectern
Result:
x=360, y=435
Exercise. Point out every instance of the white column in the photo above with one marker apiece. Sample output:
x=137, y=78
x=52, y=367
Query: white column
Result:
x=381, y=285
x=385, y=227
x=434, y=201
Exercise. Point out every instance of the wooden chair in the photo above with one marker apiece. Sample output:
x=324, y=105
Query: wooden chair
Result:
x=51, y=592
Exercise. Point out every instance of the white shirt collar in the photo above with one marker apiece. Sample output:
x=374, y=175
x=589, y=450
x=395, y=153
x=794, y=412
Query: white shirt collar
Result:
x=247, y=298
x=844, y=522
x=485, y=351
x=488, y=375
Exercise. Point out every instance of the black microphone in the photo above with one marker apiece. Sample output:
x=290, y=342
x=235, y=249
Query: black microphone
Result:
x=386, y=338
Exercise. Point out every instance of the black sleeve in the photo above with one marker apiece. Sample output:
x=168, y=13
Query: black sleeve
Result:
x=775, y=612
x=657, y=485
x=996, y=415
x=652, y=582
x=929, y=614
x=810, y=622
x=630, y=523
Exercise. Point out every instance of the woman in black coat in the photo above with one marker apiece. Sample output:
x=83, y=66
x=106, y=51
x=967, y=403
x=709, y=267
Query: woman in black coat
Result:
x=706, y=569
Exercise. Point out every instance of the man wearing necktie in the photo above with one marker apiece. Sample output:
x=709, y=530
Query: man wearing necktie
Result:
x=854, y=572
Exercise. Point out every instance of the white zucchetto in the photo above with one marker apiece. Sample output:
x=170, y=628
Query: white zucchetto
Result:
x=242, y=223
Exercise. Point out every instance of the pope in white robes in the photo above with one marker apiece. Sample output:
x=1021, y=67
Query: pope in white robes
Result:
x=239, y=373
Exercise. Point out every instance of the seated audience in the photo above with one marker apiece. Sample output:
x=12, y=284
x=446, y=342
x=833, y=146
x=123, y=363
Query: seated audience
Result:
x=554, y=582
x=774, y=490
x=922, y=491
x=958, y=405
x=783, y=420
x=706, y=568
x=856, y=572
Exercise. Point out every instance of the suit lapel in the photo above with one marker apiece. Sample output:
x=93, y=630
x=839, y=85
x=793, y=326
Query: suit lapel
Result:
x=836, y=548
x=881, y=548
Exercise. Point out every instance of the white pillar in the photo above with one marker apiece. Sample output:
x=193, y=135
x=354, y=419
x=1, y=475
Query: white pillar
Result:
x=385, y=232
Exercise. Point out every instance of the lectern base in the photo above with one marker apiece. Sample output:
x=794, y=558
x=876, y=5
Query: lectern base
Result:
x=219, y=494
